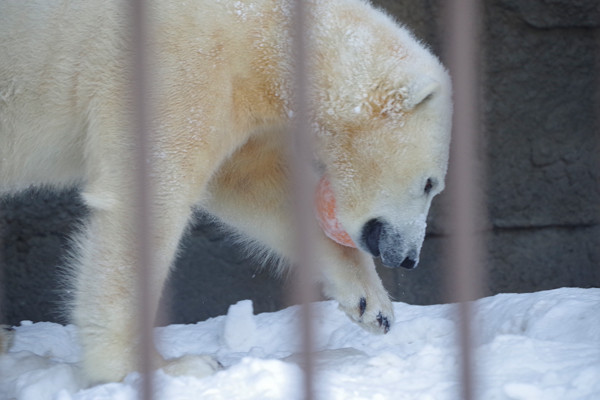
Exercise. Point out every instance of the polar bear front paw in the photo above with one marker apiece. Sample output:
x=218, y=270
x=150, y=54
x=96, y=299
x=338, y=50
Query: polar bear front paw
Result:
x=192, y=365
x=370, y=312
x=382, y=320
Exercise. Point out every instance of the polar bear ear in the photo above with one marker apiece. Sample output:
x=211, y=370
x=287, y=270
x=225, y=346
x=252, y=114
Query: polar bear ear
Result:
x=386, y=100
x=420, y=91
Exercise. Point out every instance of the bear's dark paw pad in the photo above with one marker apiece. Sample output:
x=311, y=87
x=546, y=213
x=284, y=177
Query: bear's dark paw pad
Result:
x=362, y=306
x=383, y=323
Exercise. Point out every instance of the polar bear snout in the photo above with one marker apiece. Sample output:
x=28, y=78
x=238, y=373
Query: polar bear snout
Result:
x=381, y=240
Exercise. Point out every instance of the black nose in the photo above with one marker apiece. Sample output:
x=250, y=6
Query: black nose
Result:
x=408, y=263
x=371, y=234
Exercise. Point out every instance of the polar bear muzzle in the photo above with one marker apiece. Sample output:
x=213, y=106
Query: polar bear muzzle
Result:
x=381, y=240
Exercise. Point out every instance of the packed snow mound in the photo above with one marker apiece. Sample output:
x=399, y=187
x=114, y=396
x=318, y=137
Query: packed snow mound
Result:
x=543, y=345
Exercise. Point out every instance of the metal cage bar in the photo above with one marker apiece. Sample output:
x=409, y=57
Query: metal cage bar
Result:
x=463, y=278
x=300, y=149
x=142, y=128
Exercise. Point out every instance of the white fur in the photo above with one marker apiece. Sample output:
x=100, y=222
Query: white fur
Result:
x=380, y=107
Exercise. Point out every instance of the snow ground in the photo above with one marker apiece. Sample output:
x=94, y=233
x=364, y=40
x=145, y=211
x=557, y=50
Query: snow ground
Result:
x=543, y=345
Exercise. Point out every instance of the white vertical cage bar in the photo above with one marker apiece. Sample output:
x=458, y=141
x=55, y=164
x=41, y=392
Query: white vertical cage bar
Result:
x=299, y=141
x=141, y=125
x=465, y=246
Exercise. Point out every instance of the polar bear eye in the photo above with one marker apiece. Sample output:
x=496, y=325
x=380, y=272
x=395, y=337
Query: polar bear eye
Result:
x=428, y=186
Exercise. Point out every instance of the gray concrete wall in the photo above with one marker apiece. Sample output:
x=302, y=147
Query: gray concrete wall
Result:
x=540, y=144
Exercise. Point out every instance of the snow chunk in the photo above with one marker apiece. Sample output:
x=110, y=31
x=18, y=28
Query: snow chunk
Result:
x=27, y=376
x=239, y=332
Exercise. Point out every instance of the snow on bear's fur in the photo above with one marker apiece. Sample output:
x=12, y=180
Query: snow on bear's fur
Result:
x=221, y=71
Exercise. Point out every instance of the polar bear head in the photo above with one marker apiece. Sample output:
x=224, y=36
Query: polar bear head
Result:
x=383, y=121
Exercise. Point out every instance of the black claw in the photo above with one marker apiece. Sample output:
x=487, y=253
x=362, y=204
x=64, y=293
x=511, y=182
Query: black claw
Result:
x=362, y=306
x=383, y=322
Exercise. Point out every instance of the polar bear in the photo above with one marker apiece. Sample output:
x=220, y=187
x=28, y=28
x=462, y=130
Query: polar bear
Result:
x=380, y=110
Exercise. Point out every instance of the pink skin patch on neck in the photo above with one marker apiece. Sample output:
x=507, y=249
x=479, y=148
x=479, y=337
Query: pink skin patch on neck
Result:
x=326, y=214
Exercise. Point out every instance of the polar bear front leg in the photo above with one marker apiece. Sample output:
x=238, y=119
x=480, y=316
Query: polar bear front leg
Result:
x=106, y=300
x=349, y=276
x=106, y=292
